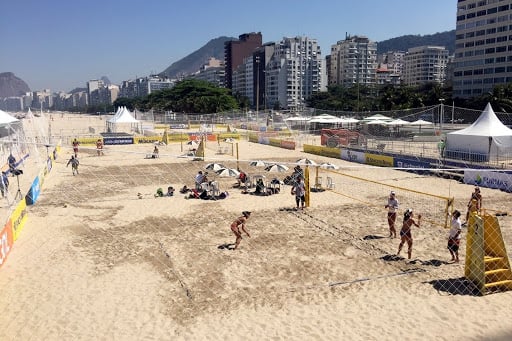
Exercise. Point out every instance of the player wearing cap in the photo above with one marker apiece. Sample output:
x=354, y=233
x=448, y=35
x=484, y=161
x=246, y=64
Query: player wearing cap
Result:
x=392, y=207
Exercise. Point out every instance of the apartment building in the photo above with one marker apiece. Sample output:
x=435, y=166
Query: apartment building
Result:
x=144, y=86
x=236, y=50
x=425, y=64
x=213, y=72
x=353, y=61
x=483, y=46
x=293, y=73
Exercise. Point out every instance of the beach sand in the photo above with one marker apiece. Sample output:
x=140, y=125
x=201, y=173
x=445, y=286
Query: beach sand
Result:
x=96, y=262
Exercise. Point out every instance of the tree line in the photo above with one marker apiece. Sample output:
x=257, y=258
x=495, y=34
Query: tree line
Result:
x=198, y=96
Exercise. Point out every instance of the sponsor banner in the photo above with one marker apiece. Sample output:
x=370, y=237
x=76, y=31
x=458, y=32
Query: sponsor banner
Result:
x=418, y=165
x=197, y=136
x=353, y=156
x=489, y=179
x=146, y=139
x=379, y=160
x=288, y=144
x=33, y=192
x=48, y=164
x=18, y=218
x=109, y=141
x=324, y=151
x=6, y=242
x=264, y=140
x=274, y=142
x=87, y=140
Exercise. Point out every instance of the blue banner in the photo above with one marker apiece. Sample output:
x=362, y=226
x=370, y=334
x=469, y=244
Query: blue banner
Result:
x=33, y=192
x=416, y=165
x=117, y=140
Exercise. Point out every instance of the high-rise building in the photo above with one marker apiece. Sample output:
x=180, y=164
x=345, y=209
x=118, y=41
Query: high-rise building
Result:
x=212, y=72
x=353, y=61
x=293, y=73
x=236, y=50
x=483, y=46
x=425, y=64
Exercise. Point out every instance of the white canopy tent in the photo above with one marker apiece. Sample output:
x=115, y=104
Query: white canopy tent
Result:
x=12, y=136
x=487, y=138
x=122, y=117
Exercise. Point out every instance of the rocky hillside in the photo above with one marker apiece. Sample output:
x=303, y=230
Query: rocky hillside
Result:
x=403, y=43
x=193, y=62
x=10, y=85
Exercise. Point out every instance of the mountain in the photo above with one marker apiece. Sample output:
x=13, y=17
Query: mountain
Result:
x=403, y=43
x=11, y=86
x=105, y=80
x=193, y=62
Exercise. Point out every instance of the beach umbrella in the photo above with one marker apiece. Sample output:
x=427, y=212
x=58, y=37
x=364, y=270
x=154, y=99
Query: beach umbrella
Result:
x=214, y=166
x=420, y=123
x=308, y=162
x=227, y=172
x=376, y=122
x=398, y=122
x=276, y=168
x=257, y=163
x=328, y=165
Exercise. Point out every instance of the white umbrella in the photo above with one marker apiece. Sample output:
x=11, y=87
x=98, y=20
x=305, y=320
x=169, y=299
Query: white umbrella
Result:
x=376, y=122
x=214, y=166
x=227, y=172
x=421, y=123
x=398, y=122
x=328, y=165
x=257, y=163
x=276, y=168
x=306, y=162
x=377, y=117
x=193, y=143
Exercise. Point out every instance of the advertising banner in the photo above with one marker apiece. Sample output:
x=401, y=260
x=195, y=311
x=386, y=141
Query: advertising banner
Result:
x=109, y=141
x=416, y=166
x=379, y=160
x=33, y=192
x=489, y=179
x=6, y=242
x=288, y=144
x=18, y=218
x=353, y=156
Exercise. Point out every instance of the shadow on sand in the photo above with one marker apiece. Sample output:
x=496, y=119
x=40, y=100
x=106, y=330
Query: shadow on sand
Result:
x=226, y=246
x=455, y=286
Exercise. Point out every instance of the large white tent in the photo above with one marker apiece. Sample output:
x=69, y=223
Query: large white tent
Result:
x=486, y=138
x=122, y=116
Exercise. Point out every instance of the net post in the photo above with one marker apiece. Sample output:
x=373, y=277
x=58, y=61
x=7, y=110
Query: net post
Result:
x=306, y=185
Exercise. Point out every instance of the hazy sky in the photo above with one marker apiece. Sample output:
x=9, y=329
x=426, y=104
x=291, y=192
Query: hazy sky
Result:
x=61, y=44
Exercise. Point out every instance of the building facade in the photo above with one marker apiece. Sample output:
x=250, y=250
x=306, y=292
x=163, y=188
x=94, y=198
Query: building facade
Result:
x=353, y=61
x=293, y=73
x=425, y=64
x=483, y=46
x=236, y=50
x=212, y=72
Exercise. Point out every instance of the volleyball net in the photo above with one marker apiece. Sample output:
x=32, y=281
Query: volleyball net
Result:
x=435, y=209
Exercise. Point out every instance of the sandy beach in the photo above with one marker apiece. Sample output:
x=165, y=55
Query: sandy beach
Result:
x=96, y=262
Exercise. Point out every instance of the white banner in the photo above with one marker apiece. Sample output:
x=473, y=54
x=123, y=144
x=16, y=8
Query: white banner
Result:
x=353, y=156
x=489, y=179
